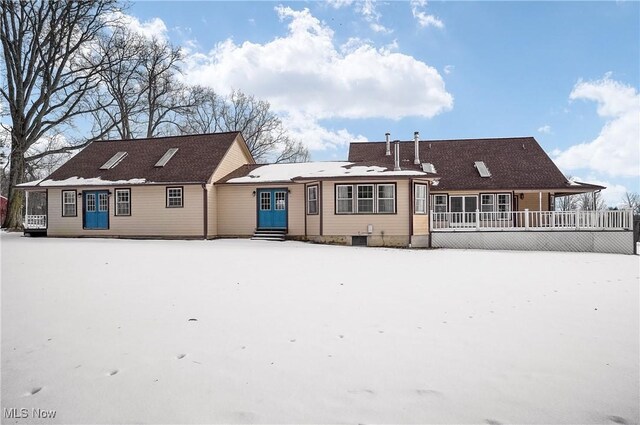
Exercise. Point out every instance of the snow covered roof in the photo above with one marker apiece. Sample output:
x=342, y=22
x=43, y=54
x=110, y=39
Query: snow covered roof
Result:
x=313, y=170
x=95, y=181
x=30, y=184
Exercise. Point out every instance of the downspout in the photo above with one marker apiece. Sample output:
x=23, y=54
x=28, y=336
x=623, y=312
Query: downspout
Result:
x=321, y=206
x=205, y=211
x=306, y=213
x=429, y=209
x=411, y=210
x=416, y=142
x=595, y=192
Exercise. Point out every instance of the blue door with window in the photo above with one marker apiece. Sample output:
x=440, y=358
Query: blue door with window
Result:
x=272, y=208
x=96, y=209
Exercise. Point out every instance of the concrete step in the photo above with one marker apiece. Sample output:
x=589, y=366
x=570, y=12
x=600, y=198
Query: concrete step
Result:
x=269, y=235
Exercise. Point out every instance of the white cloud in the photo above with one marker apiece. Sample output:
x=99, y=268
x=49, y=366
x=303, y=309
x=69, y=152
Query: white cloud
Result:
x=316, y=137
x=368, y=10
x=337, y=4
x=305, y=72
x=153, y=28
x=448, y=69
x=545, y=129
x=616, y=150
x=423, y=18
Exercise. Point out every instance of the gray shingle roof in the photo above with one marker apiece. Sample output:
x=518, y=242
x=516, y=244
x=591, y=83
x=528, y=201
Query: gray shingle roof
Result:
x=514, y=163
x=194, y=162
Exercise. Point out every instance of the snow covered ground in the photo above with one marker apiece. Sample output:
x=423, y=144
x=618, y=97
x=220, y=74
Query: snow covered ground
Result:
x=101, y=332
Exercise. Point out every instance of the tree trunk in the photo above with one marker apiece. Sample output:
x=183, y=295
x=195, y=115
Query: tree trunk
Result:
x=13, y=220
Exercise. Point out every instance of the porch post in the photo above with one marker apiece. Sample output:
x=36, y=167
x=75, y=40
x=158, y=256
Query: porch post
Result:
x=539, y=201
x=26, y=204
x=577, y=213
x=526, y=218
x=430, y=221
x=477, y=219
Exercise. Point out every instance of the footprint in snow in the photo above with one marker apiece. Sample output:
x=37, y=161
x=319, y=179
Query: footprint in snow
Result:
x=493, y=422
x=365, y=391
x=618, y=420
x=340, y=336
x=34, y=391
x=380, y=332
x=429, y=392
x=181, y=356
x=292, y=340
x=113, y=372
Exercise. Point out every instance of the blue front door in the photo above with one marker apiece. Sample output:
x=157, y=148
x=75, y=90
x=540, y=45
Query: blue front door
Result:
x=96, y=209
x=272, y=208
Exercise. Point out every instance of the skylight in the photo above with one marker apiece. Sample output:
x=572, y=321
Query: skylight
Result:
x=428, y=167
x=166, y=157
x=115, y=160
x=482, y=169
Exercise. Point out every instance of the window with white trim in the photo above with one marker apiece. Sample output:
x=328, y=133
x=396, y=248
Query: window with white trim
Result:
x=265, y=201
x=365, y=198
x=91, y=202
x=281, y=201
x=103, y=202
x=69, y=203
x=440, y=203
x=386, y=198
x=123, y=201
x=420, y=199
x=487, y=202
x=312, y=200
x=504, y=204
x=174, y=197
x=344, y=199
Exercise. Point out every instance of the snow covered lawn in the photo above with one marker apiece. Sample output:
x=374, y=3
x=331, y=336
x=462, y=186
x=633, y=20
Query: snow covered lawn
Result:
x=101, y=332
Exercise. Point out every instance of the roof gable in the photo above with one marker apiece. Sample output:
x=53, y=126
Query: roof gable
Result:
x=514, y=163
x=194, y=161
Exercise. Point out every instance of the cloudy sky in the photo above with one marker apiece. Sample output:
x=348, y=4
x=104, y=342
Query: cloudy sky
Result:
x=566, y=73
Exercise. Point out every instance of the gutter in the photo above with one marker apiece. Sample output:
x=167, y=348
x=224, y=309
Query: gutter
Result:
x=205, y=211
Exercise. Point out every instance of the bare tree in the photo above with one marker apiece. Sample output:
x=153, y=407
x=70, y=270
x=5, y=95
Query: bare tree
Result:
x=590, y=201
x=631, y=200
x=566, y=203
x=166, y=98
x=262, y=129
x=48, y=75
x=120, y=100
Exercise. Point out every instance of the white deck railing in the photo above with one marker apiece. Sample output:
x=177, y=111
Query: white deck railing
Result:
x=35, y=222
x=531, y=220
